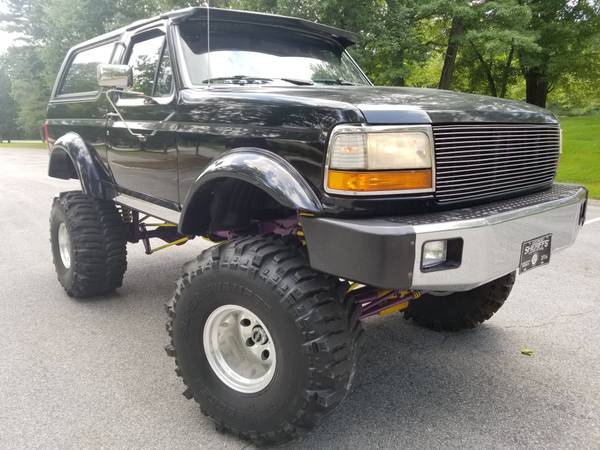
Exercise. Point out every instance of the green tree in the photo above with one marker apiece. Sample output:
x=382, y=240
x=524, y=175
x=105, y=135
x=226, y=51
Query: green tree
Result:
x=391, y=42
x=8, y=109
x=29, y=88
x=577, y=91
x=494, y=43
x=487, y=36
x=566, y=30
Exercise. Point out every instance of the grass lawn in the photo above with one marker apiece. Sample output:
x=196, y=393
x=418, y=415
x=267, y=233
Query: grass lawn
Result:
x=25, y=144
x=580, y=161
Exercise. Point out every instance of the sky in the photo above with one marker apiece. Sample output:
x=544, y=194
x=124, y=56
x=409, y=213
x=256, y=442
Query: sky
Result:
x=6, y=39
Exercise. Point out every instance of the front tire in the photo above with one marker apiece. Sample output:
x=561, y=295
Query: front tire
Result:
x=89, y=244
x=460, y=310
x=306, y=338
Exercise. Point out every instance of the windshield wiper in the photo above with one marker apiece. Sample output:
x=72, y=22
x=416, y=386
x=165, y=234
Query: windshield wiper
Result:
x=245, y=79
x=338, y=81
x=297, y=81
x=239, y=79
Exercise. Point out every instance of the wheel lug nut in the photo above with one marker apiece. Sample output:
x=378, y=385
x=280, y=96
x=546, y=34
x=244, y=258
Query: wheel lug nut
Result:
x=249, y=342
x=245, y=322
x=259, y=336
x=265, y=355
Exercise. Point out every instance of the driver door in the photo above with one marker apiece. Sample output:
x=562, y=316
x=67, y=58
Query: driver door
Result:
x=146, y=167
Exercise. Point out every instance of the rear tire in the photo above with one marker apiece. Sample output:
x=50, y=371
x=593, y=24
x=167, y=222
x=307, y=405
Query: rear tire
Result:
x=89, y=244
x=312, y=336
x=460, y=310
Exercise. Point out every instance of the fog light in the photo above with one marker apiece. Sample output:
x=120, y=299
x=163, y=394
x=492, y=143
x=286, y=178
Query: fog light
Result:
x=434, y=253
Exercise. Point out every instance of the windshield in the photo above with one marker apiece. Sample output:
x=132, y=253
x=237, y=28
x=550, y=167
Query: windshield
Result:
x=243, y=53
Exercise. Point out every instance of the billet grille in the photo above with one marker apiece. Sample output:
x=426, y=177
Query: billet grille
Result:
x=478, y=161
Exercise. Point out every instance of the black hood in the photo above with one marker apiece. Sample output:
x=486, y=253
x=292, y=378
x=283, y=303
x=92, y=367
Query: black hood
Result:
x=405, y=105
x=390, y=105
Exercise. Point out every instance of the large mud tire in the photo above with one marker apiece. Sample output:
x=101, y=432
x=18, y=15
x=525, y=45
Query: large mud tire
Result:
x=461, y=310
x=314, y=334
x=93, y=239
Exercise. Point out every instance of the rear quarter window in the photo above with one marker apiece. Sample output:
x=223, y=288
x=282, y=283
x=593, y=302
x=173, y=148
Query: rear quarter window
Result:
x=81, y=73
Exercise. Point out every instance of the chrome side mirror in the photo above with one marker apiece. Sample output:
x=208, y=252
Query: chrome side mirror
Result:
x=115, y=76
x=118, y=78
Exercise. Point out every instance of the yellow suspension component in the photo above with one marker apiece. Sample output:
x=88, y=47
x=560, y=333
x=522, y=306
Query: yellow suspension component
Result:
x=414, y=295
x=392, y=309
x=353, y=287
x=170, y=244
x=166, y=224
x=300, y=234
x=385, y=292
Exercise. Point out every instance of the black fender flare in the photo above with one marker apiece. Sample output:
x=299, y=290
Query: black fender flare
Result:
x=72, y=157
x=262, y=169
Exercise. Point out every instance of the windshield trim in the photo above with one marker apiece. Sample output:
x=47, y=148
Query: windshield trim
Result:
x=188, y=84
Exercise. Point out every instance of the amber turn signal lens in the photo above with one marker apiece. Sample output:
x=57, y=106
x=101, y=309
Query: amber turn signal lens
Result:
x=397, y=180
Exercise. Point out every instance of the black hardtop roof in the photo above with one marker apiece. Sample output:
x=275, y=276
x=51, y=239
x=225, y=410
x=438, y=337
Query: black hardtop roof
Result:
x=345, y=38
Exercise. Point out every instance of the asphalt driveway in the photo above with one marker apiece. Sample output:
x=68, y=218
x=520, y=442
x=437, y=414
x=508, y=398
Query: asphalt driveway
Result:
x=93, y=374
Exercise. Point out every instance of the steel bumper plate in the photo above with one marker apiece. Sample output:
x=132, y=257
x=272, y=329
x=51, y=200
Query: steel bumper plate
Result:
x=386, y=252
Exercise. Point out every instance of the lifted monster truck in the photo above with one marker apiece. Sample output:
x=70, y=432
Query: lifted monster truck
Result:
x=333, y=200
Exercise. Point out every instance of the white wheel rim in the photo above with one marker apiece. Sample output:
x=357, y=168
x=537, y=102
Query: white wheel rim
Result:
x=239, y=349
x=64, y=245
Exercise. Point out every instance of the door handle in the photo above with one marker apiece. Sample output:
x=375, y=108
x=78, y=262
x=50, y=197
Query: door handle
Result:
x=112, y=116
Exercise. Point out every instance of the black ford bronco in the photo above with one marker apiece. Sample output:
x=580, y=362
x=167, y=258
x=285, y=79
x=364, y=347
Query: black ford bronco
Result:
x=331, y=201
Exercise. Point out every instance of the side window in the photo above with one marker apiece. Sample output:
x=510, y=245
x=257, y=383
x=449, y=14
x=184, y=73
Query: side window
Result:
x=144, y=60
x=164, y=78
x=81, y=74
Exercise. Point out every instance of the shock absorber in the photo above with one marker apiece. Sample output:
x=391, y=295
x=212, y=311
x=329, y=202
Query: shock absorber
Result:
x=164, y=230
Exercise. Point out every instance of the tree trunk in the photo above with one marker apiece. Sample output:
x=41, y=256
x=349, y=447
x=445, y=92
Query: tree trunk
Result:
x=456, y=30
x=400, y=81
x=536, y=87
x=506, y=72
x=488, y=73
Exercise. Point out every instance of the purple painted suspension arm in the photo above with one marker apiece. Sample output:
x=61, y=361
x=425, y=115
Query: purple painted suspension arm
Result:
x=371, y=300
x=281, y=227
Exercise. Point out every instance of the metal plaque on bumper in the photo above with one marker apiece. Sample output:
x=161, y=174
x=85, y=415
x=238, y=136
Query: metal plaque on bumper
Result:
x=535, y=253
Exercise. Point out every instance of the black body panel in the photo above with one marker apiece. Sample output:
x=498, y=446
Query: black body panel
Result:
x=343, y=37
x=439, y=106
x=263, y=169
x=72, y=157
x=211, y=122
x=148, y=167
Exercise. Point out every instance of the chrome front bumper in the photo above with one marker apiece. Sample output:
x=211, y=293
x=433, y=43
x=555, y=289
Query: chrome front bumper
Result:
x=386, y=252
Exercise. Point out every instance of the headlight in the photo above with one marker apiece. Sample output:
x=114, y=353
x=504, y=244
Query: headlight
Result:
x=373, y=160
